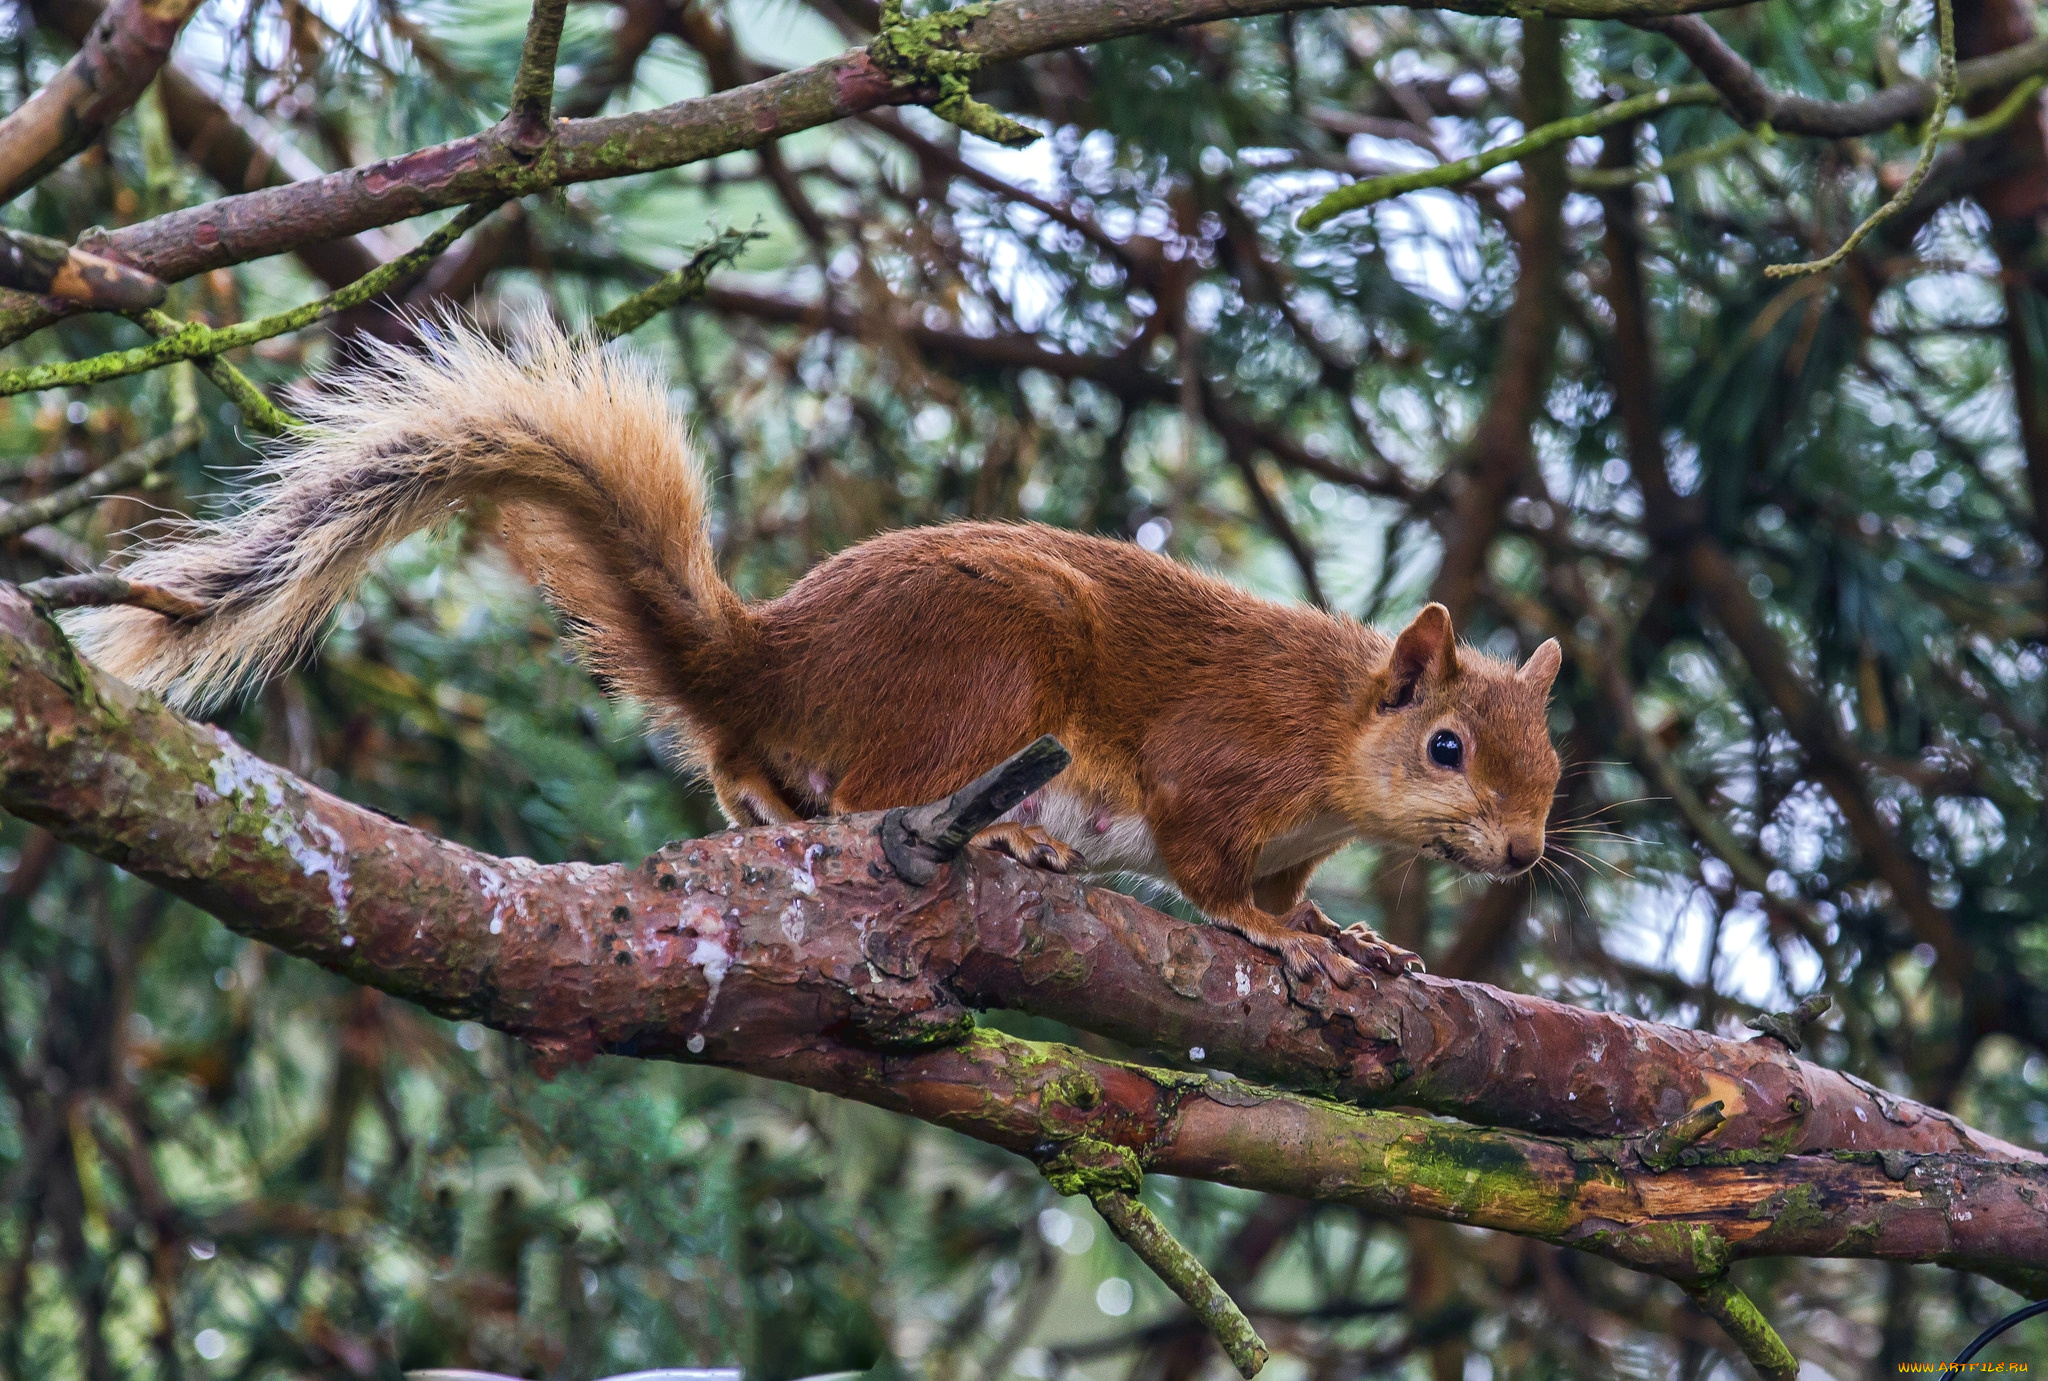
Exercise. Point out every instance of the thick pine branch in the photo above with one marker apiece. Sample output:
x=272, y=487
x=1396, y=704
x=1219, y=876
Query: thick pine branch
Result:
x=798, y=953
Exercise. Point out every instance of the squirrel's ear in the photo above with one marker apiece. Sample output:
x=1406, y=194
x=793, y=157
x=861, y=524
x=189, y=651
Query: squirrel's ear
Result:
x=1426, y=650
x=1541, y=668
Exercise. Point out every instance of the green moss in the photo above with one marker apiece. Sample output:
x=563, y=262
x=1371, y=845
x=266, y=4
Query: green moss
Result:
x=1792, y=1209
x=925, y=52
x=1075, y=1089
x=1095, y=1168
x=1745, y=1155
x=1474, y=1174
x=1685, y=1249
x=1746, y=1324
x=685, y=283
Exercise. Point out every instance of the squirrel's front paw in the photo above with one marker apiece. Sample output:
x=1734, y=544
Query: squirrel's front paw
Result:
x=1369, y=947
x=1031, y=846
x=1305, y=956
x=1308, y=918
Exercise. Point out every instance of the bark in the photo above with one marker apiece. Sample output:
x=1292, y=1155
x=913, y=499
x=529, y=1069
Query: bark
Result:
x=533, y=86
x=798, y=954
x=227, y=146
x=37, y=264
x=118, y=57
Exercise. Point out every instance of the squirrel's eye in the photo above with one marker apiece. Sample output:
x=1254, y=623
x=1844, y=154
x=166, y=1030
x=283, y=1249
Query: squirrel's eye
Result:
x=1446, y=749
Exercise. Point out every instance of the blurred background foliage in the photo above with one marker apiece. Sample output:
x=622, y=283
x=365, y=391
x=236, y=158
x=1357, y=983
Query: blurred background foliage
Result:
x=218, y=1163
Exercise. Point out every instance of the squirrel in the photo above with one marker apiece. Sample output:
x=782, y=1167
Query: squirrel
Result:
x=1221, y=742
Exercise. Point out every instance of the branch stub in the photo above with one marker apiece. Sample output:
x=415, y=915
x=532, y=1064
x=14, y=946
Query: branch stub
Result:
x=918, y=839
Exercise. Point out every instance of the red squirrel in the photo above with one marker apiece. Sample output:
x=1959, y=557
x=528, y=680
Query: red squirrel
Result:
x=1221, y=742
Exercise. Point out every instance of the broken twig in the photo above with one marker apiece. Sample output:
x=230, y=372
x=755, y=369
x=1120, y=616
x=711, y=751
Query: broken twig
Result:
x=1789, y=1028
x=917, y=840
x=1110, y=1177
x=97, y=591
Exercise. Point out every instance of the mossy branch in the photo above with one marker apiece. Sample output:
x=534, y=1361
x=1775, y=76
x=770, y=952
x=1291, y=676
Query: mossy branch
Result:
x=1377, y=189
x=192, y=341
x=528, y=120
x=1944, y=97
x=1789, y=1028
x=1746, y=1325
x=1605, y=179
x=1109, y=1175
x=1662, y=1148
x=678, y=285
x=118, y=473
x=257, y=410
x=922, y=52
x=2000, y=115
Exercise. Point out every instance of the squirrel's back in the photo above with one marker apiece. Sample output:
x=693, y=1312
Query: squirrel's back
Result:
x=901, y=667
x=895, y=671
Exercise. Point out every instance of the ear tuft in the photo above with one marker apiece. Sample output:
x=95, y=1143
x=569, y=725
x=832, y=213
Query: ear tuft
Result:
x=1541, y=668
x=1427, y=650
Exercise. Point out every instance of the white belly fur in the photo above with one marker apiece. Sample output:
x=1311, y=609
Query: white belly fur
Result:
x=1111, y=843
x=1123, y=843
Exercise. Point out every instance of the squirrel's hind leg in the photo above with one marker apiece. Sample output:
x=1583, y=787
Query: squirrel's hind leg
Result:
x=1031, y=845
x=748, y=796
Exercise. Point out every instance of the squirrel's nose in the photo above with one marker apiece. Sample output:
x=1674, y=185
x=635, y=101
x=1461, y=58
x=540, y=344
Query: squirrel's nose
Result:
x=1523, y=853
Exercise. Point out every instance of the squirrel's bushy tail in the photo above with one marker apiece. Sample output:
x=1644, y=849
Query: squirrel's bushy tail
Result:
x=603, y=503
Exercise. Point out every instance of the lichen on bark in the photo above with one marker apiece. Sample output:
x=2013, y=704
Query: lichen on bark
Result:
x=925, y=52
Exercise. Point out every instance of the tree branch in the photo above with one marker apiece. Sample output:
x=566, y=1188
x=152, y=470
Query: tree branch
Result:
x=190, y=340
x=741, y=950
x=118, y=473
x=1137, y=1227
x=1753, y=101
x=116, y=62
x=38, y=264
x=1744, y=1322
x=1930, y=144
x=533, y=85
x=97, y=591
x=1733, y=82
x=678, y=285
x=275, y=220
x=1368, y=191
x=232, y=147
x=253, y=403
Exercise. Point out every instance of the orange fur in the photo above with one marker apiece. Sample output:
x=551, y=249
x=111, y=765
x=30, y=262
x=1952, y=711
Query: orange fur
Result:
x=1221, y=742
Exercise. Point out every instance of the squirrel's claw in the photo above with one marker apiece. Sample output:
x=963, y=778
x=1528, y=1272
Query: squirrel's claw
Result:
x=1318, y=947
x=1031, y=846
x=1305, y=956
x=1369, y=947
